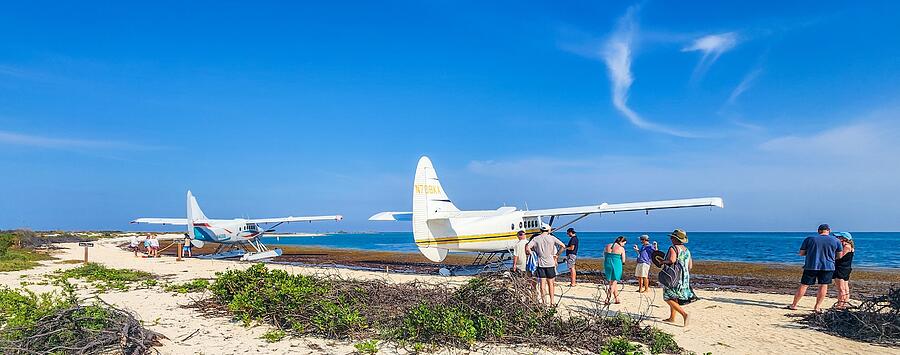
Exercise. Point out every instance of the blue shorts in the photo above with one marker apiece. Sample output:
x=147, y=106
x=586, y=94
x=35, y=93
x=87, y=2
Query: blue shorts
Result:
x=812, y=277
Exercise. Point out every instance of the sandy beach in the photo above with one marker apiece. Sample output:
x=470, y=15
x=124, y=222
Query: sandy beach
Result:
x=722, y=322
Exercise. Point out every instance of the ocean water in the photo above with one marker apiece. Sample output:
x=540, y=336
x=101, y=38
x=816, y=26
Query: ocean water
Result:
x=873, y=249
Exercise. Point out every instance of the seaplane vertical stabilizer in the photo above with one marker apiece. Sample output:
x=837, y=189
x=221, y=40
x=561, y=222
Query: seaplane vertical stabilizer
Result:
x=429, y=198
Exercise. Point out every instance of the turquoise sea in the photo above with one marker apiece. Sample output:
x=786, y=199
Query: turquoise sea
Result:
x=873, y=249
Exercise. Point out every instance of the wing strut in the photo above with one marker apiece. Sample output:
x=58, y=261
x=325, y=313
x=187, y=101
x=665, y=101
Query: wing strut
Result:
x=567, y=224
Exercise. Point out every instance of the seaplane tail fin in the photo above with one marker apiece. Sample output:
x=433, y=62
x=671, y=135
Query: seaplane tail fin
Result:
x=429, y=199
x=193, y=209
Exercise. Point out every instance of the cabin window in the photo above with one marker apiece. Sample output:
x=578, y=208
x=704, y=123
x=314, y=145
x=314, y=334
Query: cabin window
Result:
x=512, y=226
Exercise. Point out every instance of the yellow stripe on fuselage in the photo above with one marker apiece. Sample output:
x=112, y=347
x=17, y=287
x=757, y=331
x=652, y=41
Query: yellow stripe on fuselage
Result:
x=462, y=239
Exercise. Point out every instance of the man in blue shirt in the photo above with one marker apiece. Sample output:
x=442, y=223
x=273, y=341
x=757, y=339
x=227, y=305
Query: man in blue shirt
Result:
x=819, y=251
x=642, y=269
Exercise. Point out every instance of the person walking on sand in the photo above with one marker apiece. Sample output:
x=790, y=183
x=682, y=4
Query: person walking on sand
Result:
x=842, y=268
x=680, y=294
x=519, y=257
x=571, y=254
x=545, y=246
x=820, y=251
x=613, y=261
x=642, y=269
x=133, y=244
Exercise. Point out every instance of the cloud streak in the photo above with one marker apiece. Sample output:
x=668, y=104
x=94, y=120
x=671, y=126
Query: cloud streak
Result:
x=617, y=54
x=712, y=46
x=35, y=141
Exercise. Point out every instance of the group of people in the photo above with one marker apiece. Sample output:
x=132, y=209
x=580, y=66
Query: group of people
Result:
x=828, y=256
x=540, y=257
x=150, y=246
x=678, y=256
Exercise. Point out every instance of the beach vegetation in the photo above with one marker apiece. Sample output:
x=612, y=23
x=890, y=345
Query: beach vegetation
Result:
x=15, y=259
x=55, y=323
x=198, y=285
x=491, y=308
x=104, y=278
x=620, y=346
x=367, y=347
x=274, y=335
x=875, y=320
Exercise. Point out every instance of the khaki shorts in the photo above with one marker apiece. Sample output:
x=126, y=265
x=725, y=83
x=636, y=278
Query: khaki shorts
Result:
x=642, y=270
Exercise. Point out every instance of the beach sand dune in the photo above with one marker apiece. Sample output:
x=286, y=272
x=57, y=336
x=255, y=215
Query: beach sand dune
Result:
x=722, y=322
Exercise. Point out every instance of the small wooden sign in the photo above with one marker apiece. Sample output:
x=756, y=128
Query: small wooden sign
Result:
x=85, y=244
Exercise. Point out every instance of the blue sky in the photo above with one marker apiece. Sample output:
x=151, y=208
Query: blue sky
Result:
x=109, y=111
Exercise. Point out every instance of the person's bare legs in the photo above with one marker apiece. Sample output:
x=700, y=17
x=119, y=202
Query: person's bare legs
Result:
x=615, y=290
x=797, y=296
x=572, y=276
x=820, y=297
x=551, y=286
x=541, y=287
x=846, y=292
x=675, y=307
x=839, y=285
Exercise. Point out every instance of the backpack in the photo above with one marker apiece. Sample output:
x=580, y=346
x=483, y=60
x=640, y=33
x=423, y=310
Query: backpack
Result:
x=670, y=275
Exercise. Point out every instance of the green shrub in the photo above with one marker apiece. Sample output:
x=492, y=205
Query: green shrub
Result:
x=6, y=241
x=274, y=335
x=619, y=346
x=367, y=347
x=105, y=278
x=198, y=285
x=13, y=259
x=662, y=342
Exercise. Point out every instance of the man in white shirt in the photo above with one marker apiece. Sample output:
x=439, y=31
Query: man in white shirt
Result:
x=519, y=257
x=548, y=249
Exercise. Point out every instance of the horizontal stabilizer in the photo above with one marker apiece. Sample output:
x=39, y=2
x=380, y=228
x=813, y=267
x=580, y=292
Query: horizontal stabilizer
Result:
x=169, y=221
x=392, y=216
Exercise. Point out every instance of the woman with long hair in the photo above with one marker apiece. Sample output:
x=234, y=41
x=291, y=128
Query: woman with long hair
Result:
x=613, y=260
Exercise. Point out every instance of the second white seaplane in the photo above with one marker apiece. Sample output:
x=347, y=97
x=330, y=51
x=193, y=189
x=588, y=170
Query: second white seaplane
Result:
x=237, y=233
x=439, y=227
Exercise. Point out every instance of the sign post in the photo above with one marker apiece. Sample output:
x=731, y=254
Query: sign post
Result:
x=180, y=250
x=86, y=245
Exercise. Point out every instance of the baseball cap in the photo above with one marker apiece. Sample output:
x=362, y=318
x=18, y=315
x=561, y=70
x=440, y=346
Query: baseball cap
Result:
x=570, y=230
x=823, y=227
x=545, y=228
x=845, y=235
x=645, y=237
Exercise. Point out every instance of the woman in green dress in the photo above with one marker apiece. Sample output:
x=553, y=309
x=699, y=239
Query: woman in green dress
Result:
x=682, y=294
x=613, y=259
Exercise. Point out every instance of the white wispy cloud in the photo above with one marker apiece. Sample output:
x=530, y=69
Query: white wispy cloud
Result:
x=745, y=84
x=712, y=46
x=36, y=141
x=617, y=54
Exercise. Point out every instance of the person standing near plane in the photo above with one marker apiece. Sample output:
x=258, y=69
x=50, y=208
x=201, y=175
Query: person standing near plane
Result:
x=133, y=244
x=154, y=247
x=642, y=270
x=519, y=257
x=571, y=254
x=186, y=248
x=545, y=245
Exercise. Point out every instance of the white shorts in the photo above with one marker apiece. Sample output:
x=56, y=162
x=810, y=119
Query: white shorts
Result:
x=642, y=270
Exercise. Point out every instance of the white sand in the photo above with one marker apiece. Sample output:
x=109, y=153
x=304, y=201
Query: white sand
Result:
x=721, y=323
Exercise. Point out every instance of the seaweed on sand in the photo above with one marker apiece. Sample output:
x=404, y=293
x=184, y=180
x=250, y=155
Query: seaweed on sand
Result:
x=876, y=320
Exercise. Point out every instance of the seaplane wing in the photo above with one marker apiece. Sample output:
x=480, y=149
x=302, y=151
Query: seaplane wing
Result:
x=626, y=207
x=295, y=219
x=392, y=216
x=169, y=221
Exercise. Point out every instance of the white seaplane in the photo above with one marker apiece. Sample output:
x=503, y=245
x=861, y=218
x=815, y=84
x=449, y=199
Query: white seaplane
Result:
x=439, y=227
x=237, y=233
